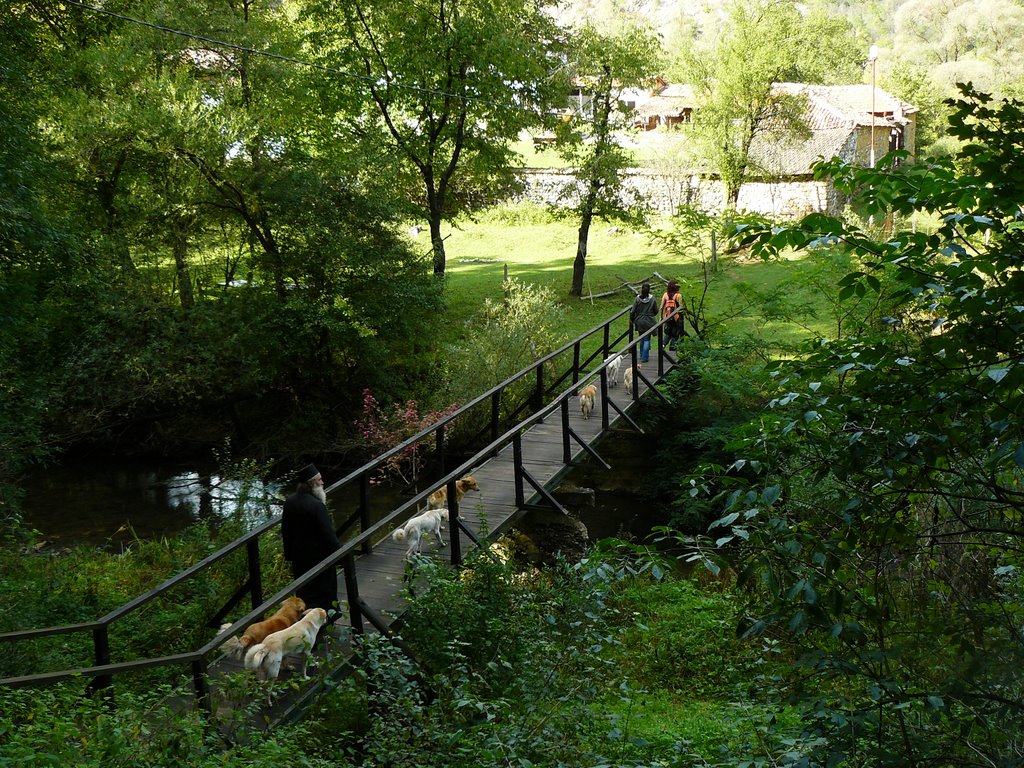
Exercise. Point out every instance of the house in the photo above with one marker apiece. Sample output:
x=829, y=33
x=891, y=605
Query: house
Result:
x=843, y=121
x=857, y=123
x=670, y=106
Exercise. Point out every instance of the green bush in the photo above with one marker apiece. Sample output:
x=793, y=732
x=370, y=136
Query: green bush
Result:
x=80, y=585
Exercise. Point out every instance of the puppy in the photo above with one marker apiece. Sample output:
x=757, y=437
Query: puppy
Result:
x=439, y=498
x=297, y=640
x=587, y=395
x=290, y=612
x=413, y=530
x=614, y=364
x=627, y=378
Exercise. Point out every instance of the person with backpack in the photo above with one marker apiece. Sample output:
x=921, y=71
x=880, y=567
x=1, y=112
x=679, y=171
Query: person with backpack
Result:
x=644, y=316
x=671, y=303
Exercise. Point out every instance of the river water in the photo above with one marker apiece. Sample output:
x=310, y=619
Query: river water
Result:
x=112, y=504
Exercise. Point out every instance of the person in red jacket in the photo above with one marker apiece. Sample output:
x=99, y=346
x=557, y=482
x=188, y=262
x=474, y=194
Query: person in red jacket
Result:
x=307, y=533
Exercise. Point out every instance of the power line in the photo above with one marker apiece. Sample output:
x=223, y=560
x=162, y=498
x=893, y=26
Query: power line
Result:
x=280, y=57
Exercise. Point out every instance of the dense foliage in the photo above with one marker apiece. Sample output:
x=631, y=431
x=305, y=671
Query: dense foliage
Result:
x=610, y=661
x=875, y=507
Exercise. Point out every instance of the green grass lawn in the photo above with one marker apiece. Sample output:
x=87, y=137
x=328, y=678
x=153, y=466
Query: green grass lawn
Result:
x=542, y=254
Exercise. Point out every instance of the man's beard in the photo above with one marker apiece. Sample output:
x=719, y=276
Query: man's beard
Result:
x=321, y=493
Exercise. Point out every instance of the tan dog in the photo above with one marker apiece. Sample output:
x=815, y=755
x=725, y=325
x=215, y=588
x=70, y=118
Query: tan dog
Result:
x=587, y=396
x=627, y=379
x=426, y=522
x=439, y=498
x=290, y=612
x=297, y=640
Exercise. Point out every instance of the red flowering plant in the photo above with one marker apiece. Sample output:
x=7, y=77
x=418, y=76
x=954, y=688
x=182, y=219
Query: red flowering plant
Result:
x=382, y=429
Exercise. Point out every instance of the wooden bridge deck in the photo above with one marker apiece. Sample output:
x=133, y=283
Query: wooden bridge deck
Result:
x=488, y=513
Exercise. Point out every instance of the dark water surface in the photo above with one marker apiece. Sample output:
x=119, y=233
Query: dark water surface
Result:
x=110, y=504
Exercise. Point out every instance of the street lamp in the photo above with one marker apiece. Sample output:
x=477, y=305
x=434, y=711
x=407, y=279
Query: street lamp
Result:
x=872, y=59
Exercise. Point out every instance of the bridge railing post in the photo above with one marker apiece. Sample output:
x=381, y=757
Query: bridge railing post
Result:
x=252, y=551
x=352, y=593
x=495, y=415
x=606, y=343
x=364, y=508
x=439, y=446
x=661, y=347
x=576, y=363
x=101, y=653
x=453, y=525
x=201, y=686
x=538, y=393
x=604, y=398
x=566, y=447
x=517, y=468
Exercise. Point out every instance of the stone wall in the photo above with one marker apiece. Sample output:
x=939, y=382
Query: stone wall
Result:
x=664, y=193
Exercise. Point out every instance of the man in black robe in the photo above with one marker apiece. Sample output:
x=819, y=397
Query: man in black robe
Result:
x=308, y=535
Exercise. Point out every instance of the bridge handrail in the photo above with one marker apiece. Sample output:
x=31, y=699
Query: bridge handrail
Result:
x=131, y=605
x=332, y=560
x=380, y=460
x=369, y=535
x=344, y=553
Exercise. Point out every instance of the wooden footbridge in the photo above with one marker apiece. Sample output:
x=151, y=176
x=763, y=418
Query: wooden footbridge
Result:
x=528, y=432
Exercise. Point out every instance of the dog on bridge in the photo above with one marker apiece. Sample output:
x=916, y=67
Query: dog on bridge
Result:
x=291, y=611
x=297, y=640
x=614, y=364
x=439, y=498
x=425, y=522
x=587, y=396
x=627, y=378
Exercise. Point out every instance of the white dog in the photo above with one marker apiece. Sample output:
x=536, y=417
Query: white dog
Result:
x=413, y=530
x=614, y=364
x=297, y=640
x=627, y=378
x=587, y=395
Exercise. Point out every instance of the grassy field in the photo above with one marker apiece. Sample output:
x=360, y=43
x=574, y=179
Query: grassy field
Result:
x=540, y=251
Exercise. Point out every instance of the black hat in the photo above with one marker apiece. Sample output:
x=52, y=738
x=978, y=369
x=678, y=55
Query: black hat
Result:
x=307, y=473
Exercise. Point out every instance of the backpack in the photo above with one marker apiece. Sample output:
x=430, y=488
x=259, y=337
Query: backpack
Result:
x=671, y=305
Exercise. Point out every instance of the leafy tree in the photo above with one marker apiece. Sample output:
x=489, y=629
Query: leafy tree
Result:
x=182, y=151
x=875, y=506
x=735, y=74
x=915, y=86
x=437, y=92
x=979, y=41
x=34, y=250
x=603, y=66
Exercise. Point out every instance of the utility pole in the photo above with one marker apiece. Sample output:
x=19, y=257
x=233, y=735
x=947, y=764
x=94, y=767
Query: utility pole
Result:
x=872, y=59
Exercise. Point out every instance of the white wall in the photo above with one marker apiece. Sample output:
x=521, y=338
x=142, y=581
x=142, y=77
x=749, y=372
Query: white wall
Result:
x=664, y=193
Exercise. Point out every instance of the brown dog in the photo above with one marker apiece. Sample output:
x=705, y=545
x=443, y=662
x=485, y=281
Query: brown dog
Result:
x=290, y=612
x=587, y=396
x=439, y=498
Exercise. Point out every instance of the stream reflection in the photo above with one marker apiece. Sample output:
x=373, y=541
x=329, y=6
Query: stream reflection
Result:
x=106, y=506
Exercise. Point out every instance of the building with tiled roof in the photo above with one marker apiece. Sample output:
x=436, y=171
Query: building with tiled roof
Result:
x=840, y=119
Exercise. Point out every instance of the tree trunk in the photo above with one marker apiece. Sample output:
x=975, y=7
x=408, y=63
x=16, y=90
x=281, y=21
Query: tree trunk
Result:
x=589, y=202
x=106, y=190
x=437, y=242
x=179, y=246
x=435, y=214
x=579, y=266
x=732, y=196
